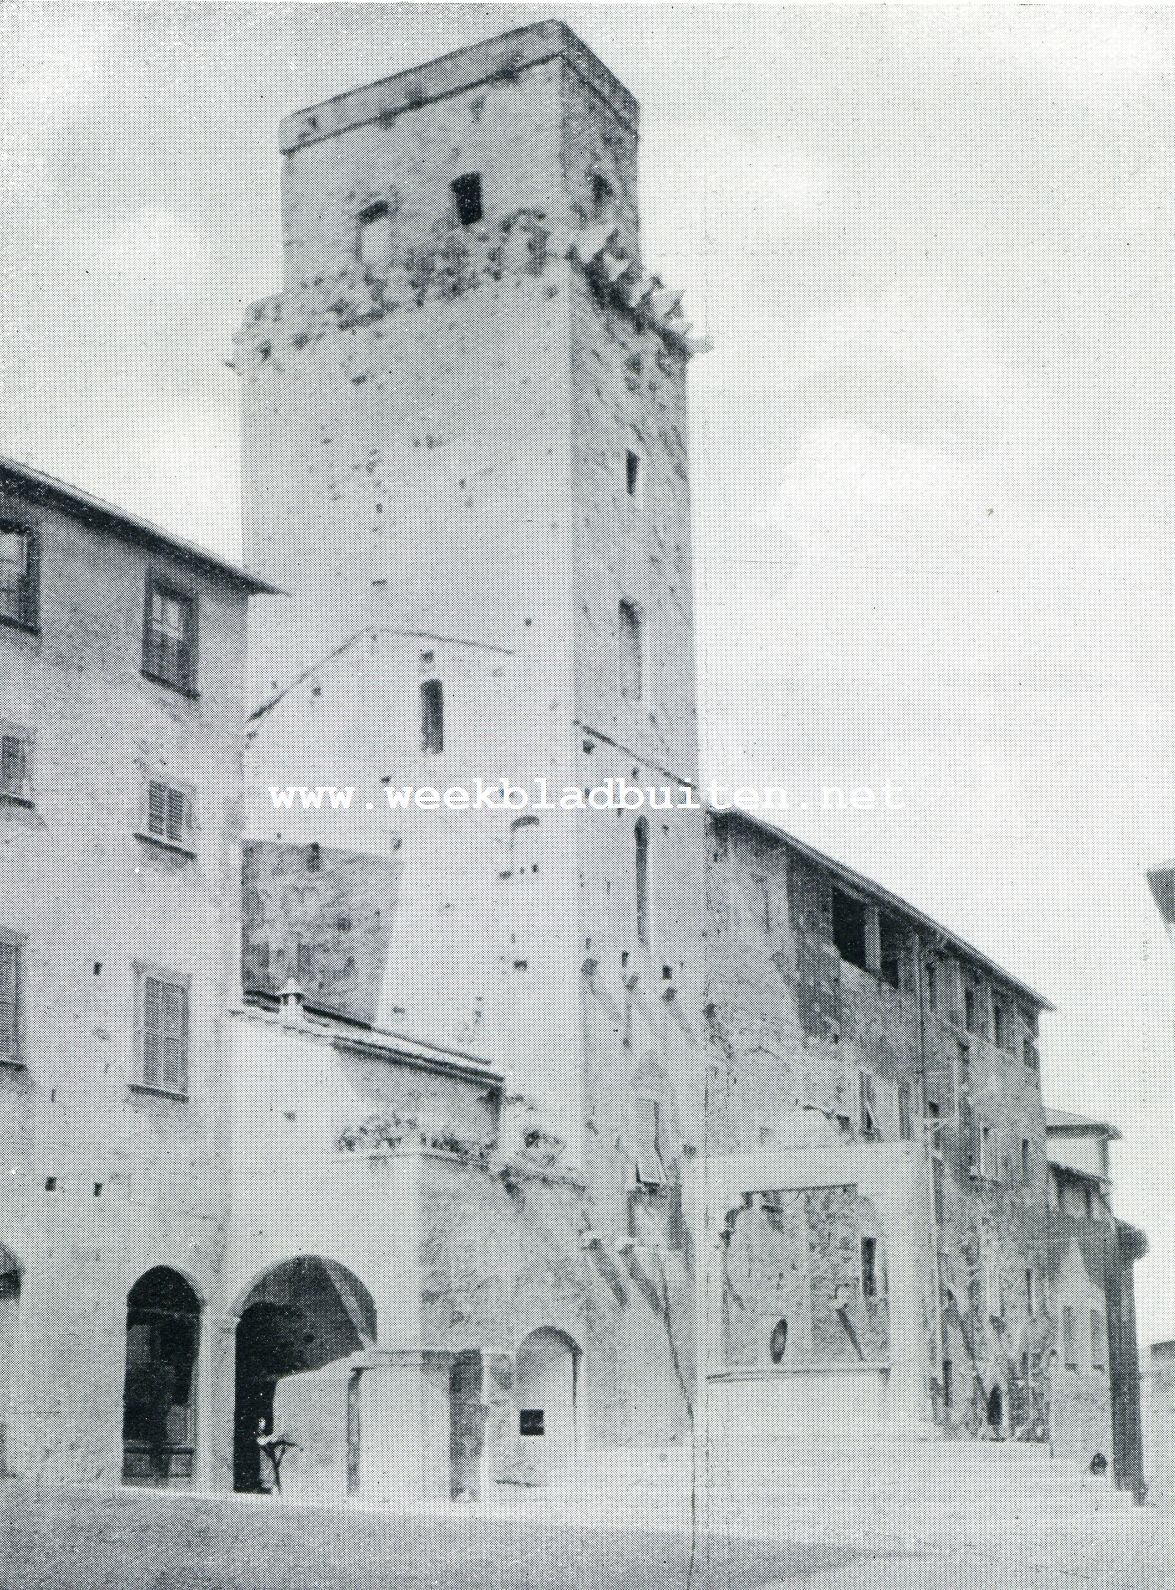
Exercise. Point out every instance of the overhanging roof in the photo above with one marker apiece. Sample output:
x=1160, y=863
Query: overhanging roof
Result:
x=893, y=903
x=1063, y=1123
x=102, y=515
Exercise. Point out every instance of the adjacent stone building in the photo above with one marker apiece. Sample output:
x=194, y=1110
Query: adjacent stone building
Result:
x=535, y=1128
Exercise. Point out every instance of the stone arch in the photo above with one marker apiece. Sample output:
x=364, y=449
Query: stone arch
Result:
x=546, y=1393
x=297, y=1319
x=163, y=1316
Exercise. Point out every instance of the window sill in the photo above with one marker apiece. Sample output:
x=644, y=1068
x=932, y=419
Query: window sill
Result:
x=23, y=625
x=11, y=798
x=170, y=684
x=165, y=844
x=159, y=1093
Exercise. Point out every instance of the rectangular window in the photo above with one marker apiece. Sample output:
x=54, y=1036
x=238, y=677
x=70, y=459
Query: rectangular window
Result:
x=892, y=949
x=1025, y=1160
x=1028, y=1049
x=988, y=1154
x=1069, y=1337
x=1097, y=1339
x=432, y=716
x=531, y=1421
x=868, y=1266
x=932, y=985
x=632, y=661
x=163, y=1045
x=168, y=812
x=1030, y=1292
x=632, y=473
x=641, y=859
x=970, y=1010
x=10, y=1001
x=466, y=192
x=650, y=1169
x=905, y=1113
x=948, y=1382
x=169, y=636
x=14, y=765
x=19, y=550
x=848, y=927
x=1001, y=1024
x=867, y=1107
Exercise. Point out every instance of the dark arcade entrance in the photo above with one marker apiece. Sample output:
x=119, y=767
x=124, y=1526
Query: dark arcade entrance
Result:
x=299, y=1316
x=159, y=1392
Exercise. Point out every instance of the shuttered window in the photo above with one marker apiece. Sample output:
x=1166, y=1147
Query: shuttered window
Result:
x=169, y=636
x=18, y=575
x=9, y=1000
x=167, y=812
x=164, y=1046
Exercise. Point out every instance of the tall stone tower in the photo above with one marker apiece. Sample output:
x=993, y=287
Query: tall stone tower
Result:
x=465, y=462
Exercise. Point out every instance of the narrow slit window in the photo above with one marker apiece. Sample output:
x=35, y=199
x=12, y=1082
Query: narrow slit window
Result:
x=868, y=1266
x=602, y=196
x=467, y=197
x=641, y=857
x=632, y=473
x=631, y=652
x=432, y=716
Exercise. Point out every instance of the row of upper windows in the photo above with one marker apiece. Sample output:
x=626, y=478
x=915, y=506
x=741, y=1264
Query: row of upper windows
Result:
x=867, y=937
x=161, y=1021
x=166, y=809
x=169, y=613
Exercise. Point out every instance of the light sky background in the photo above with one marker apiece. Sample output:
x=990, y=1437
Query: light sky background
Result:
x=932, y=453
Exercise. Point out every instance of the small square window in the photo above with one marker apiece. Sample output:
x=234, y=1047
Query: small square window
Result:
x=531, y=1421
x=163, y=1033
x=467, y=197
x=19, y=582
x=169, y=636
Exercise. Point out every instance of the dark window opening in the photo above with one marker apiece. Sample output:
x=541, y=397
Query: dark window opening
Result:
x=631, y=652
x=50, y=1183
x=970, y=1010
x=868, y=1266
x=931, y=985
x=169, y=636
x=14, y=766
x=1029, y=1051
x=1030, y=1291
x=632, y=472
x=467, y=197
x=778, y=1342
x=1000, y=1025
x=531, y=1421
x=641, y=857
x=18, y=575
x=948, y=1383
x=601, y=195
x=893, y=946
x=432, y=716
x=1097, y=1340
x=849, y=916
x=905, y=1114
x=1025, y=1159
x=867, y=1107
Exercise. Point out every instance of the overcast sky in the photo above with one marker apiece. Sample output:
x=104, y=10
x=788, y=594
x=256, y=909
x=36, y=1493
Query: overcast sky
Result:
x=932, y=448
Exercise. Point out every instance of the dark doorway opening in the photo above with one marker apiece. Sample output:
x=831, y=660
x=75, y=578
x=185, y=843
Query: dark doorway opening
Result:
x=995, y=1411
x=159, y=1391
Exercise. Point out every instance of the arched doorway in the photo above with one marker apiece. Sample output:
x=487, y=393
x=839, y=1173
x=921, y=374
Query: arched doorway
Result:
x=297, y=1318
x=9, y=1307
x=159, y=1391
x=545, y=1385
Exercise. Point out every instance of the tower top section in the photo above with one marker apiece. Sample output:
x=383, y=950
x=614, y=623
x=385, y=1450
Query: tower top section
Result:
x=493, y=60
